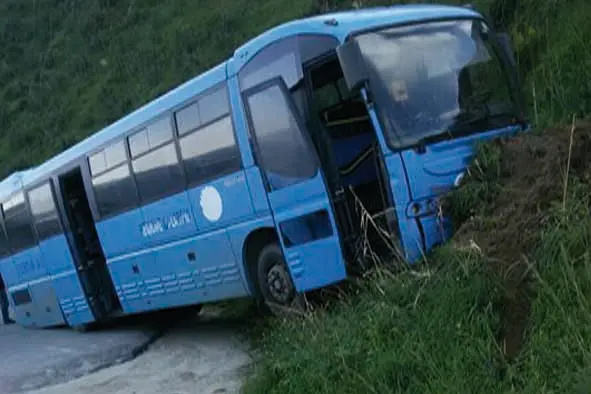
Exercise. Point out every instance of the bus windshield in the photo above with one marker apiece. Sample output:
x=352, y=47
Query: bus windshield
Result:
x=437, y=80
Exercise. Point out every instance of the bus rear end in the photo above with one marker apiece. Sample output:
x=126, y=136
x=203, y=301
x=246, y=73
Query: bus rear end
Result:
x=433, y=89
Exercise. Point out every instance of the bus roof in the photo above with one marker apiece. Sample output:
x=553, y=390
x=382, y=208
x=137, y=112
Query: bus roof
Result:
x=340, y=25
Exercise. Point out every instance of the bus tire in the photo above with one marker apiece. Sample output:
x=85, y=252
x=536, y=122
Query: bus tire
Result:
x=275, y=284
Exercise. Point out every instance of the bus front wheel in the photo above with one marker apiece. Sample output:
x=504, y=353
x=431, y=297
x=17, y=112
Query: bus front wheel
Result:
x=276, y=286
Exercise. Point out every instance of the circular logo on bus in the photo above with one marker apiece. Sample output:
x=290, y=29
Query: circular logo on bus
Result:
x=211, y=203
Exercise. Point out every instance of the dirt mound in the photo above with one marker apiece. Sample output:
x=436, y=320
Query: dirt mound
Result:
x=533, y=170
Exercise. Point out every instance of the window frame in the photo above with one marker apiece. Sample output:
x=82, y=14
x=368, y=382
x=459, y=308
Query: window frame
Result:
x=176, y=141
x=3, y=233
x=304, y=47
x=14, y=251
x=191, y=183
x=127, y=162
x=56, y=215
x=172, y=141
x=252, y=136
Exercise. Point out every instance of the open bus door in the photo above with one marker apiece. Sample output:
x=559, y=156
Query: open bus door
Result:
x=296, y=189
x=90, y=261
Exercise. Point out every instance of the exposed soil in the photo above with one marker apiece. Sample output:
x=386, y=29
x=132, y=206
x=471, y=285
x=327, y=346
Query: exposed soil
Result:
x=533, y=171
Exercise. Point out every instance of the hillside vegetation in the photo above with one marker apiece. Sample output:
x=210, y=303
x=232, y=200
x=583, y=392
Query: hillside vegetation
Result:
x=69, y=67
x=503, y=308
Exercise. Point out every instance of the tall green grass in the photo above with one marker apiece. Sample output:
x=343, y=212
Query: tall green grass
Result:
x=436, y=329
x=423, y=331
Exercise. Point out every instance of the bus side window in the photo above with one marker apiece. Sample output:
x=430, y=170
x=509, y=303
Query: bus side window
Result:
x=206, y=137
x=18, y=224
x=155, y=162
x=281, y=148
x=113, y=185
x=4, y=247
x=43, y=210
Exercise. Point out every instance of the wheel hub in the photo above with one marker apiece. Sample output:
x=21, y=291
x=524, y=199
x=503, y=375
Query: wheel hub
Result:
x=279, y=283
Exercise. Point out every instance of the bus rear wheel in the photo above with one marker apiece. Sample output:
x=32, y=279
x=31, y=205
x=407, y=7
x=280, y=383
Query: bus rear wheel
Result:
x=275, y=284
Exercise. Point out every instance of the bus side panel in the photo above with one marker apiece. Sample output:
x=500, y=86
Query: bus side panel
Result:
x=21, y=300
x=58, y=260
x=8, y=272
x=167, y=270
x=167, y=220
x=121, y=234
x=196, y=271
x=410, y=234
x=34, y=299
x=48, y=306
x=128, y=273
x=238, y=236
x=9, y=276
x=121, y=239
x=204, y=268
x=222, y=202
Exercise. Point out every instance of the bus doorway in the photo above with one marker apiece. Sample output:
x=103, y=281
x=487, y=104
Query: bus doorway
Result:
x=88, y=253
x=352, y=163
x=5, y=317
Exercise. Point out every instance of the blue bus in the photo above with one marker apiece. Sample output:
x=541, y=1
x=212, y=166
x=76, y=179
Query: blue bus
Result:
x=247, y=180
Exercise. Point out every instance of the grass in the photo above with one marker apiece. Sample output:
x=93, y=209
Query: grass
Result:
x=68, y=68
x=435, y=329
x=389, y=339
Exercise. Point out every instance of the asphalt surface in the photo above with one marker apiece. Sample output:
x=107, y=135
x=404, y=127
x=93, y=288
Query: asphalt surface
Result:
x=34, y=358
x=196, y=356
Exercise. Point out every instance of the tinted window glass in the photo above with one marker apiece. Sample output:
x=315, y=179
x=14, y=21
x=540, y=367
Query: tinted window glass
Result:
x=114, y=190
x=97, y=163
x=158, y=173
x=15, y=205
x=210, y=152
x=285, y=59
x=272, y=63
x=44, y=212
x=187, y=119
x=282, y=149
x=159, y=132
x=107, y=158
x=41, y=201
x=154, y=135
x=4, y=247
x=138, y=143
x=205, y=110
x=48, y=227
x=115, y=154
x=18, y=224
x=21, y=297
x=213, y=106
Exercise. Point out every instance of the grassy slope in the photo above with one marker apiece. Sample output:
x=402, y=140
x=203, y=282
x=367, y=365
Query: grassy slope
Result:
x=438, y=332
x=69, y=67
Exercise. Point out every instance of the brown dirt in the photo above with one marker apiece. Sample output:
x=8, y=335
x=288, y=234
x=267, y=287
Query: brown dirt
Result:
x=533, y=169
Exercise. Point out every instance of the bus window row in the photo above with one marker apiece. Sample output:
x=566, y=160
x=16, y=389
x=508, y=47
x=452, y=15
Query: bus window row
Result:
x=28, y=219
x=193, y=145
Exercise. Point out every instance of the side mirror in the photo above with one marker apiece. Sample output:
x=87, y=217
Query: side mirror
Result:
x=507, y=46
x=353, y=65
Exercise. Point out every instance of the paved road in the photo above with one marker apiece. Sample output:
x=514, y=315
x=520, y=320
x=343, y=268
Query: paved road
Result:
x=199, y=355
x=33, y=358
